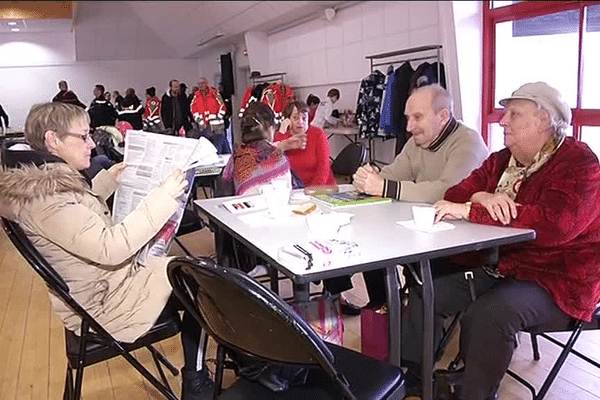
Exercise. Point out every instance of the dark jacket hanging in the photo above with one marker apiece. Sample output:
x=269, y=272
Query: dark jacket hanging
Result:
x=402, y=90
x=369, y=104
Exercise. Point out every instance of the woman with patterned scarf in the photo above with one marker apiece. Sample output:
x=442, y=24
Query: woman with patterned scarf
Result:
x=256, y=162
x=544, y=181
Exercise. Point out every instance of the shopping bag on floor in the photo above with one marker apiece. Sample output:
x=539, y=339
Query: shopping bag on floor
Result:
x=325, y=317
x=374, y=333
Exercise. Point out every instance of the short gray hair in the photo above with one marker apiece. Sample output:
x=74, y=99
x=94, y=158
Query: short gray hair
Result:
x=557, y=124
x=54, y=116
x=440, y=97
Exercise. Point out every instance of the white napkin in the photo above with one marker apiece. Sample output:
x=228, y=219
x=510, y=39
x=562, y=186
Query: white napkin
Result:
x=440, y=226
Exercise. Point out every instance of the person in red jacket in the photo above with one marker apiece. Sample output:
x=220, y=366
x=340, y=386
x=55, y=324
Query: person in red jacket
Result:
x=306, y=146
x=152, y=121
x=544, y=181
x=208, y=107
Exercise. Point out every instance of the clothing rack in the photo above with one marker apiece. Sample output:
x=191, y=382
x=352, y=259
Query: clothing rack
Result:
x=269, y=77
x=398, y=57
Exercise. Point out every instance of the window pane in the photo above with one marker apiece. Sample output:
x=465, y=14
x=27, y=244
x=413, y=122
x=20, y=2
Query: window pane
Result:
x=591, y=136
x=498, y=4
x=538, y=49
x=590, y=96
x=496, y=138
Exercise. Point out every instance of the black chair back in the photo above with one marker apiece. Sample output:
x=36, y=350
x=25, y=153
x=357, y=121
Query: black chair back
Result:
x=99, y=345
x=52, y=279
x=350, y=158
x=243, y=315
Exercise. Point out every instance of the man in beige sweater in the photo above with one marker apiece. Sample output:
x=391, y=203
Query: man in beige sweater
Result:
x=439, y=154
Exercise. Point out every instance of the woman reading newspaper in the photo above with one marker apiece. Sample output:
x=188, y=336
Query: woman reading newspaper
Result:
x=65, y=216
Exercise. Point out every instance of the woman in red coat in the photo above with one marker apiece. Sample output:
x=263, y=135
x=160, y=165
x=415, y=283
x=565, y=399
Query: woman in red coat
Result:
x=544, y=181
x=306, y=146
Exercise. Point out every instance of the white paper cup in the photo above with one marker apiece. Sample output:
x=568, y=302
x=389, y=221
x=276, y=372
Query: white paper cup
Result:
x=423, y=216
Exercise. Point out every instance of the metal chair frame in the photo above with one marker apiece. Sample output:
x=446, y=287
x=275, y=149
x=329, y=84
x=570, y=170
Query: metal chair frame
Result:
x=91, y=331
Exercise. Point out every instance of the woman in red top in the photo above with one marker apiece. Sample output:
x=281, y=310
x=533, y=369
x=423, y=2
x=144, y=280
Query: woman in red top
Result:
x=306, y=146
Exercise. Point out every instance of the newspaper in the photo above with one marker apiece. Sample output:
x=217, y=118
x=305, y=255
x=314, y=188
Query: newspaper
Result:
x=150, y=158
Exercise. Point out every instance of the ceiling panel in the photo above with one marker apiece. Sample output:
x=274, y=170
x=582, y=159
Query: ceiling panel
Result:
x=128, y=29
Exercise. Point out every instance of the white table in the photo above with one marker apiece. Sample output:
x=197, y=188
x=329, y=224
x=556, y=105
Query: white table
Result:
x=382, y=243
x=345, y=131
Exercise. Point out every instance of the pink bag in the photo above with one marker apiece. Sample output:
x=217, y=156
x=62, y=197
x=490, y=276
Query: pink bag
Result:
x=374, y=333
x=325, y=317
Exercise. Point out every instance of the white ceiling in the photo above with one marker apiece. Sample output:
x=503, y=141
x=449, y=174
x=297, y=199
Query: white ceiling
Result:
x=114, y=30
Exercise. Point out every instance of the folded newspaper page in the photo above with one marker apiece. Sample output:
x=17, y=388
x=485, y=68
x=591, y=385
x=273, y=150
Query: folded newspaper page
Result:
x=150, y=159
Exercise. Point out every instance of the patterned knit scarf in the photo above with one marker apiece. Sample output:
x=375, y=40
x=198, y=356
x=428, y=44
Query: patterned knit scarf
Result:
x=515, y=174
x=254, y=164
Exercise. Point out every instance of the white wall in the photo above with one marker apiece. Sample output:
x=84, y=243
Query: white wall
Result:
x=26, y=49
x=321, y=54
x=27, y=78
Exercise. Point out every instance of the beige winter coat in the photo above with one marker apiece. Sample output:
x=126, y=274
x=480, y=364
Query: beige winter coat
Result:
x=70, y=224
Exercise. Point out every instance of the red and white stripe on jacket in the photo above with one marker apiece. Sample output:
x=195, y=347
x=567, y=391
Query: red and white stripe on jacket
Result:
x=278, y=96
x=246, y=100
x=209, y=110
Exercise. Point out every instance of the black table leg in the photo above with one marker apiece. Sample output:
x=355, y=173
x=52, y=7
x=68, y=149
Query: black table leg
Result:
x=393, y=296
x=428, y=301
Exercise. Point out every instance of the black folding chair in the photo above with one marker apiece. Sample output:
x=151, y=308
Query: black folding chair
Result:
x=95, y=344
x=244, y=317
x=575, y=327
x=350, y=158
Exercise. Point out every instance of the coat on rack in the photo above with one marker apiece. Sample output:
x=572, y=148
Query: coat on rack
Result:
x=368, y=105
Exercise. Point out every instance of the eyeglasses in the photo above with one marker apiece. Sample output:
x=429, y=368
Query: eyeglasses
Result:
x=85, y=137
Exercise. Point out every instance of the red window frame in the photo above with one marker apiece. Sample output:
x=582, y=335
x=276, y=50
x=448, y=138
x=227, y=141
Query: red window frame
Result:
x=527, y=9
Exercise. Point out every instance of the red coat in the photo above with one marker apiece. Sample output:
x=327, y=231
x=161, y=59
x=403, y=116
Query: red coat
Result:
x=312, y=164
x=278, y=96
x=152, y=109
x=561, y=202
x=209, y=110
x=246, y=100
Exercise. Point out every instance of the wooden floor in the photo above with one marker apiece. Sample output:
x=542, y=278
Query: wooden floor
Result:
x=32, y=354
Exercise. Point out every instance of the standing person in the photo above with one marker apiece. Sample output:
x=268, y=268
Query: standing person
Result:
x=66, y=218
x=131, y=111
x=107, y=96
x=66, y=96
x=542, y=180
x=312, y=102
x=324, y=112
x=208, y=111
x=117, y=99
x=151, y=118
x=174, y=109
x=131, y=93
x=3, y=117
x=306, y=146
x=101, y=111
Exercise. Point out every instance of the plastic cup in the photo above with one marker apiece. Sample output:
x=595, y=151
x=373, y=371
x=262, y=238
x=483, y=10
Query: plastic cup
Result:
x=423, y=216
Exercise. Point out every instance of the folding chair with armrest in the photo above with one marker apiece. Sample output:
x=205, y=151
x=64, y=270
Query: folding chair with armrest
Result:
x=95, y=344
x=244, y=316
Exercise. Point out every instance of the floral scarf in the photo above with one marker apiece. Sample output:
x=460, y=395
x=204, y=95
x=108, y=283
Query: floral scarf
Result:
x=515, y=174
x=254, y=164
